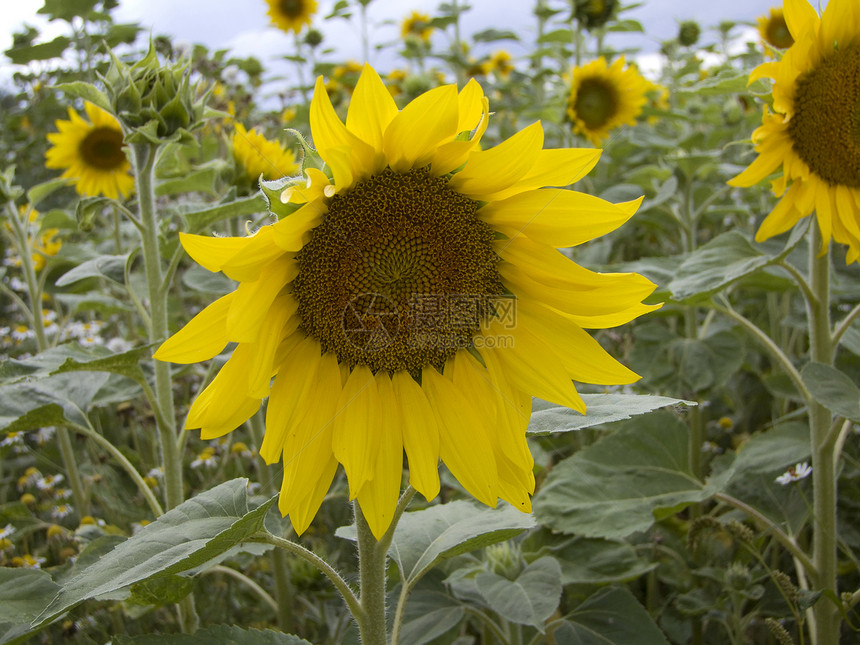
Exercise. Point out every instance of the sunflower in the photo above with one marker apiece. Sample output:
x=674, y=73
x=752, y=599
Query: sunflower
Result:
x=416, y=24
x=774, y=31
x=813, y=127
x=92, y=153
x=604, y=97
x=416, y=303
x=593, y=14
x=500, y=63
x=256, y=155
x=291, y=15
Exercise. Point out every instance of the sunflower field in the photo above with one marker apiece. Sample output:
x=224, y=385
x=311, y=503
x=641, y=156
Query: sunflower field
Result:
x=451, y=345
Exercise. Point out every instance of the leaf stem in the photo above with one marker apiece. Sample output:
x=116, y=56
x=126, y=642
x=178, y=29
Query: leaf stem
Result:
x=241, y=577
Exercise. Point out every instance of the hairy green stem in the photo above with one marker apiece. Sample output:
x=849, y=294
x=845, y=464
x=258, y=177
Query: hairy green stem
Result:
x=371, y=569
x=144, y=163
x=824, y=541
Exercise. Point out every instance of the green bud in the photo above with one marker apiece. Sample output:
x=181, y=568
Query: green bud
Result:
x=738, y=577
x=688, y=33
x=504, y=559
x=593, y=14
x=314, y=37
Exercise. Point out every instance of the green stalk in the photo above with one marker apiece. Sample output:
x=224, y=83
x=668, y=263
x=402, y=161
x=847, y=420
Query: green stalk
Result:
x=824, y=541
x=34, y=293
x=143, y=159
x=144, y=155
x=371, y=569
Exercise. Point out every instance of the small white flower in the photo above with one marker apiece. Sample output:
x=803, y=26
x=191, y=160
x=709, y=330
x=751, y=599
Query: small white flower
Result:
x=157, y=472
x=16, y=284
x=44, y=435
x=6, y=531
x=22, y=333
x=795, y=473
x=49, y=482
x=61, y=510
x=62, y=493
x=12, y=439
x=118, y=345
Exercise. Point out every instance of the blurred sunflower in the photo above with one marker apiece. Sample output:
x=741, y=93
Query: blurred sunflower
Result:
x=774, y=31
x=813, y=130
x=415, y=303
x=255, y=155
x=92, y=154
x=501, y=63
x=603, y=98
x=416, y=24
x=593, y=14
x=291, y=15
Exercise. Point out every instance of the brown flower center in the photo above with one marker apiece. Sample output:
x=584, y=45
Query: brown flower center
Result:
x=102, y=149
x=825, y=127
x=595, y=103
x=400, y=275
x=778, y=34
x=292, y=8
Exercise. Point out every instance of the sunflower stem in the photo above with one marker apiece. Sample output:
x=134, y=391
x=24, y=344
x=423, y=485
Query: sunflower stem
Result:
x=371, y=569
x=824, y=541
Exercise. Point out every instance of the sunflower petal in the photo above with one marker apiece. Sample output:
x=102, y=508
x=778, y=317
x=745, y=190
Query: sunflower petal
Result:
x=203, y=337
x=413, y=135
x=420, y=434
x=356, y=428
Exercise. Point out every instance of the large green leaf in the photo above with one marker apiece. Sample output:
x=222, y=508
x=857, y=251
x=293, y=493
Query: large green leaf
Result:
x=600, y=408
x=612, y=616
x=594, y=561
x=428, y=615
x=724, y=260
x=624, y=482
x=111, y=267
x=24, y=594
x=220, y=634
x=529, y=599
x=833, y=389
x=124, y=364
x=43, y=51
x=185, y=537
x=426, y=537
x=50, y=401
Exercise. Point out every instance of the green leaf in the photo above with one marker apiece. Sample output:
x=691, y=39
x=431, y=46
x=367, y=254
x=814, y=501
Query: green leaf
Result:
x=200, y=180
x=88, y=92
x=558, y=36
x=111, y=267
x=88, y=209
x=271, y=190
x=593, y=561
x=67, y=9
x=726, y=81
x=125, y=364
x=493, y=35
x=42, y=51
x=424, y=538
x=624, y=482
x=163, y=590
x=205, y=281
x=196, y=221
x=54, y=400
x=24, y=594
x=833, y=389
x=220, y=634
x=612, y=616
x=724, y=260
x=40, y=191
x=601, y=408
x=429, y=615
x=185, y=537
x=529, y=599
x=772, y=451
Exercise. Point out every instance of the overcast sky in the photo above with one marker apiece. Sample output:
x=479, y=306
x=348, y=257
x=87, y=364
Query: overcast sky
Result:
x=243, y=26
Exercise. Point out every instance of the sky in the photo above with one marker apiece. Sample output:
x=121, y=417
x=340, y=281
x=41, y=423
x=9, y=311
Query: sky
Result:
x=219, y=24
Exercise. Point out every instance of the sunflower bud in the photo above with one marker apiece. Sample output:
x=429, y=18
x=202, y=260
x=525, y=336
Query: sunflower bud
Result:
x=314, y=37
x=593, y=14
x=505, y=560
x=688, y=33
x=157, y=103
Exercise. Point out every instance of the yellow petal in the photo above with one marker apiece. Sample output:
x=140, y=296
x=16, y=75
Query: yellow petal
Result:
x=559, y=218
x=253, y=299
x=356, y=428
x=263, y=351
x=554, y=167
x=370, y=110
x=489, y=171
x=378, y=497
x=413, y=135
x=799, y=16
x=464, y=444
x=203, y=337
x=420, y=434
x=290, y=396
x=212, y=252
x=247, y=263
x=294, y=231
x=303, y=511
x=450, y=156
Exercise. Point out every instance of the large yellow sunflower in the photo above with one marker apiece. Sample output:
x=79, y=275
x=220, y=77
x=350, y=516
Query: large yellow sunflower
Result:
x=256, y=155
x=603, y=98
x=291, y=15
x=773, y=29
x=813, y=129
x=92, y=154
x=415, y=303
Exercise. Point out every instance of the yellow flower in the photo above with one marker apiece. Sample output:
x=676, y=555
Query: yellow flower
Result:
x=256, y=156
x=500, y=63
x=603, y=98
x=415, y=303
x=812, y=131
x=291, y=15
x=416, y=24
x=774, y=31
x=92, y=153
